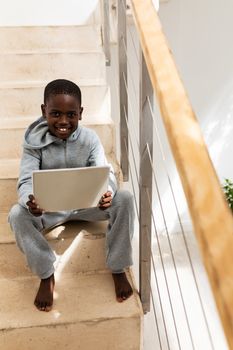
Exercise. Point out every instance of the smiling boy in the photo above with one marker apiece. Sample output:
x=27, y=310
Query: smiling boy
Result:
x=56, y=140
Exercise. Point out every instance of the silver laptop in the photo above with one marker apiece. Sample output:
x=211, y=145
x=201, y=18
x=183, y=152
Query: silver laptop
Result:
x=69, y=189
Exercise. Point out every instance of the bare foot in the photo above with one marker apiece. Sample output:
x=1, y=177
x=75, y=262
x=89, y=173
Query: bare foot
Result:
x=44, y=297
x=122, y=287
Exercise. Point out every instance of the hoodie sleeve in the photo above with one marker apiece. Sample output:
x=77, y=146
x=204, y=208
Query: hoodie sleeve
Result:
x=97, y=158
x=30, y=161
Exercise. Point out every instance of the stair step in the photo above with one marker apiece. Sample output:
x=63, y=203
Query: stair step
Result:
x=8, y=194
x=6, y=236
x=9, y=169
x=25, y=101
x=85, y=311
x=39, y=83
x=48, y=66
x=22, y=39
x=12, y=132
x=30, y=13
x=8, y=177
x=79, y=248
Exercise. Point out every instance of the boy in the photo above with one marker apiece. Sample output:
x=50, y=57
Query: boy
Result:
x=57, y=141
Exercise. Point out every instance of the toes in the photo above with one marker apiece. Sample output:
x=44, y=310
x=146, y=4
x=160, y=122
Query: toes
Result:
x=119, y=300
x=48, y=308
x=38, y=305
x=43, y=306
x=124, y=296
x=119, y=296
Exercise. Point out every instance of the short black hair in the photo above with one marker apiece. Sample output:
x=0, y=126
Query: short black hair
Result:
x=62, y=86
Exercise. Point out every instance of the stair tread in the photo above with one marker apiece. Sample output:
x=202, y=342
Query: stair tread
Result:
x=54, y=51
x=61, y=37
x=27, y=101
x=78, y=298
x=6, y=235
x=50, y=66
x=11, y=84
x=79, y=247
x=38, y=26
x=9, y=168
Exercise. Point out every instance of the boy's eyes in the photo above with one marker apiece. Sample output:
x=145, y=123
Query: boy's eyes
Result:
x=58, y=114
x=55, y=114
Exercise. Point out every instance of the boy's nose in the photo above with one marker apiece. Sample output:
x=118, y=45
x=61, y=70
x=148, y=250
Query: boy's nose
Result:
x=63, y=119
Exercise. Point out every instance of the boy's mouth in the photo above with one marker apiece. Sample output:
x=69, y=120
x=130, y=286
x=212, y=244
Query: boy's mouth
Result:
x=62, y=129
x=63, y=132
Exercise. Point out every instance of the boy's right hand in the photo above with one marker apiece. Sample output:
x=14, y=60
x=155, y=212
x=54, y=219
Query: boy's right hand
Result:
x=33, y=207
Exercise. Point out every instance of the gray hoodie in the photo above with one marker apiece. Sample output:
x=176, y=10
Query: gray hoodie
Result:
x=41, y=150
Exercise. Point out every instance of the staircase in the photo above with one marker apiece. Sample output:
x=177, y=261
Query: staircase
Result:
x=85, y=313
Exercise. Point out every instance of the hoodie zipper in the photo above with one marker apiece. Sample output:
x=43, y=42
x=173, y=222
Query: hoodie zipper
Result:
x=65, y=151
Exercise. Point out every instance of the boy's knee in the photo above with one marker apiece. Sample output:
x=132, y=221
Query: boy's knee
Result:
x=124, y=199
x=16, y=213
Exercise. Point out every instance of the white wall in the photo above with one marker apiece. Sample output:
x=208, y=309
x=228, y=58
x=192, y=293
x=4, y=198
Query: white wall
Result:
x=200, y=36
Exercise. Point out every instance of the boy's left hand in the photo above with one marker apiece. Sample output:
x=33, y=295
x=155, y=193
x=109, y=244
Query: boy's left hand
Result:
x=105, y=201
x=33, y=208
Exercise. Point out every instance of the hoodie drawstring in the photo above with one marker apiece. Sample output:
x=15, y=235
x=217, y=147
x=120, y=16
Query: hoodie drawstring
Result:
x=65, y=151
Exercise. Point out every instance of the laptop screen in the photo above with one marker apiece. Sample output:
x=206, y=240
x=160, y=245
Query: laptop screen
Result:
x=70, y=188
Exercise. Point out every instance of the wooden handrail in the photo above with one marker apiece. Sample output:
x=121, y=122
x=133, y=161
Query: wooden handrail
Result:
x=212, y=219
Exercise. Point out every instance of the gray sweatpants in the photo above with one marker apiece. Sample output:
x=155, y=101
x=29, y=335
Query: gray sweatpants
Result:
x=40, y=257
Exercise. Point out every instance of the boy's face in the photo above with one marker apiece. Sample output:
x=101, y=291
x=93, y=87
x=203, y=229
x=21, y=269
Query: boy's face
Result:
x=62, y=113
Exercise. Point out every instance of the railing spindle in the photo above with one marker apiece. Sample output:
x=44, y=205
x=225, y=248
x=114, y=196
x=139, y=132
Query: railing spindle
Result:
x=146, y=137
x=122, y=40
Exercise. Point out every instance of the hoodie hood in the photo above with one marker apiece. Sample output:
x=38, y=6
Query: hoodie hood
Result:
x=38, y=136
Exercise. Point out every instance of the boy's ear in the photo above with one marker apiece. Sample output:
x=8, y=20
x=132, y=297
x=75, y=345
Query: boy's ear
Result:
x=81, y=111
x=43, y=110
